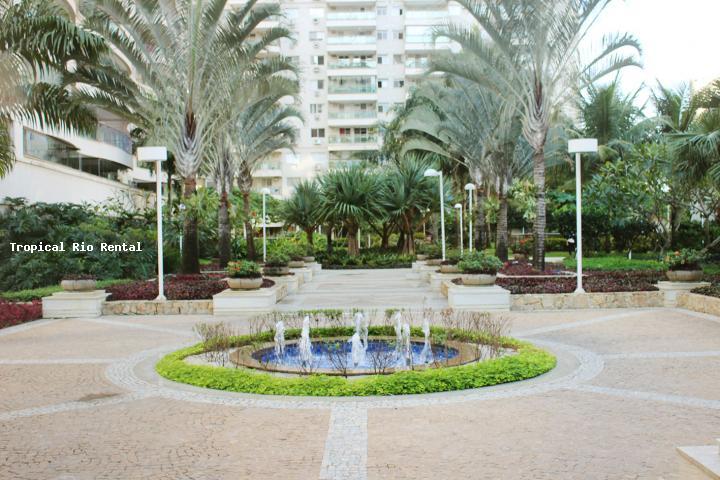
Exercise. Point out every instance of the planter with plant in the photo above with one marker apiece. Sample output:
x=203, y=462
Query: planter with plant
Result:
x=433, y=254
x=276, y=264
x=244, y=275
x=522, y=248
x=479, y=268
x=296, y=253
x=684, y=265
x=450, y=264
x=78, y=283
x=309, y=254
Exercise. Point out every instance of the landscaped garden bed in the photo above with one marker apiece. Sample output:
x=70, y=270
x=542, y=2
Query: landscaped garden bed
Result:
x=593, y=282
x=177, y=287
x=15, y=313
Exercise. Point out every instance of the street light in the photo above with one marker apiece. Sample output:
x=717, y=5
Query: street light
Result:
x=578, y=146
x=157, y=155
x=265, y=192
x=431, y=172
x=458, y=206
x=470, y=187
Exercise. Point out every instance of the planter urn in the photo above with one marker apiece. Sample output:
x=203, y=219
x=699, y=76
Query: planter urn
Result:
x=684, y=275
x=520, y=257
x=420, y=257
x=434, y=262
x=449, y=269
x=78, y=285
x=276, y=271
x=478, y=279
x=244, y=283
x=309, y=259
x=296, y=264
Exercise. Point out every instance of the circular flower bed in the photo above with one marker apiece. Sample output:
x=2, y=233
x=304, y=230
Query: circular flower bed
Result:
x=527, y=361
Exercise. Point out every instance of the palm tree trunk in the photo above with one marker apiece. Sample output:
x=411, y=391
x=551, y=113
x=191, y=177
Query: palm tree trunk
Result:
x=309, y=235
x=352, y=240
x=409, y=243
x=328, y=239
x=191, y=245
x=501, y=241
x=480, y=231
x=249, y=232
x=224, y=228
x=540, y=219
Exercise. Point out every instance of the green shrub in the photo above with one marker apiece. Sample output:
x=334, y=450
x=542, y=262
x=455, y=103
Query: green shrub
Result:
x=685, y=259
x=243, y=269
x=36, y=293
x=528, y=362
x=277, y=259
x=480, y=262
x=432, y=250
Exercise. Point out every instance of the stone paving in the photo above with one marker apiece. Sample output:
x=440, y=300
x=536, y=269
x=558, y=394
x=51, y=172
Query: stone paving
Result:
x=79, y=399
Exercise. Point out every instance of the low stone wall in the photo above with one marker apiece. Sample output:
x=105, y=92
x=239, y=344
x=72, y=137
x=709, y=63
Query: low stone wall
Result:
x=151, y=307
x=699, y=303
x=568, y=301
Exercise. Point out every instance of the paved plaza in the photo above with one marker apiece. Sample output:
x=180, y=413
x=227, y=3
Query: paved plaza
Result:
x=80, y=400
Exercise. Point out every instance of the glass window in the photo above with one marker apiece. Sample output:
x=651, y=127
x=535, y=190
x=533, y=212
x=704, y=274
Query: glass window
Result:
x=318, y=59
x=382, y=35
x=316, y=108
x=381, y=11
x=317, y=36
x=317, y=132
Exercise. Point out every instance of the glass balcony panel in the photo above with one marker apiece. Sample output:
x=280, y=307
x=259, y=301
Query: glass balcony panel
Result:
x=351, y=16
x=351, y=40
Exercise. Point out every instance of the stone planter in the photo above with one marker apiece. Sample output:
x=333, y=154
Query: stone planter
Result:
x=684, y=275
x=449, y=269
x=296, y=264
x=421, y=258
x=520, y=257
x=275, y=271
x=244, y=283
x=478, y=279
x=78, y=285
x=309, y=259
x=434, y=262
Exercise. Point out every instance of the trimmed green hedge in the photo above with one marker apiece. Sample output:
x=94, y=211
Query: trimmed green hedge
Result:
x=528, y=362
x=36, y=293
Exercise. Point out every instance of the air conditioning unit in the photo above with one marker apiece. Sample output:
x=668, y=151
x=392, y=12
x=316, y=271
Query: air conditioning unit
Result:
x=316, y=20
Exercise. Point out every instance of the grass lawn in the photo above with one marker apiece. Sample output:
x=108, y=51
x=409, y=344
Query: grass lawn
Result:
x=615, y=262
x=32, y=294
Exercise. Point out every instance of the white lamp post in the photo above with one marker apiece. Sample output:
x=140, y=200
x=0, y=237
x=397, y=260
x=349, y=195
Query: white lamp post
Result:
x=431, y=172
x=157, y=155
x=470, y=187
x=458, y=206
x=265, y=192
x=578, y=146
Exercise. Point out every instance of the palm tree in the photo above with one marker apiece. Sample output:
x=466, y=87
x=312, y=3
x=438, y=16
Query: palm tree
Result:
x=259, y=131
x=301, y=208
x=528, y=51
x=38, y=43
x=193, y=62
x=350, y=196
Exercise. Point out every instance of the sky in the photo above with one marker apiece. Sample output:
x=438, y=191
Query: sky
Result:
x=679, y=39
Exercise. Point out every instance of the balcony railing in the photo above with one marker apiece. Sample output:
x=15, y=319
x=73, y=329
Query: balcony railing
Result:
x=351, y=16
x=352, y=115
x=351, y=40
x=425, y=14
x=416, y=63
x=352, y=88
x=112, y=136
x=352, y=64
x=353, y=139
x=426, y=39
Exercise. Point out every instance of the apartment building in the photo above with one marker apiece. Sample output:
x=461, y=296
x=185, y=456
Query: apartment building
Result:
x=358, y=60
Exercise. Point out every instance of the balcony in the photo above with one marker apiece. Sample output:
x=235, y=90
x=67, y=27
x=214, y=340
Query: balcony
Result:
x=425, y=43
x=351, y=64
x=426, y=17
x=416, y=66
x=267, y=171
x=361, y=118
x=352, y=43
x=352, y=142
x=366, y=88
x=350, y=19
x=114, y=137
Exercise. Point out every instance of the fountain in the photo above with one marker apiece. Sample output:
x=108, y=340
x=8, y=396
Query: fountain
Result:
x=426, y=355
x=405, y=342
x=305, y=345
x=357, y=345
x=279, y=339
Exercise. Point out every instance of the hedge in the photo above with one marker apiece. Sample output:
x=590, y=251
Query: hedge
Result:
x=529, y=361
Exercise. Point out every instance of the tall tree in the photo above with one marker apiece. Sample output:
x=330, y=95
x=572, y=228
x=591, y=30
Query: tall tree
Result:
x=192, y=60
x=528, y=50
x=301, y=208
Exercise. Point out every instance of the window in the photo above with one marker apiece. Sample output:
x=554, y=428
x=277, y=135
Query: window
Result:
x=383, y=107
x=383, y=60
x=317, y=12
x=382, y=35
x=397, y=35
x=382, y=83
x=381, y=11
x=398, y=105
x=399, y=83
x=397, y=59
x=396, y=11
x=316, y=108
x=317, y=60
x=317, y=36
x=317, y=132
x=319, y=84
